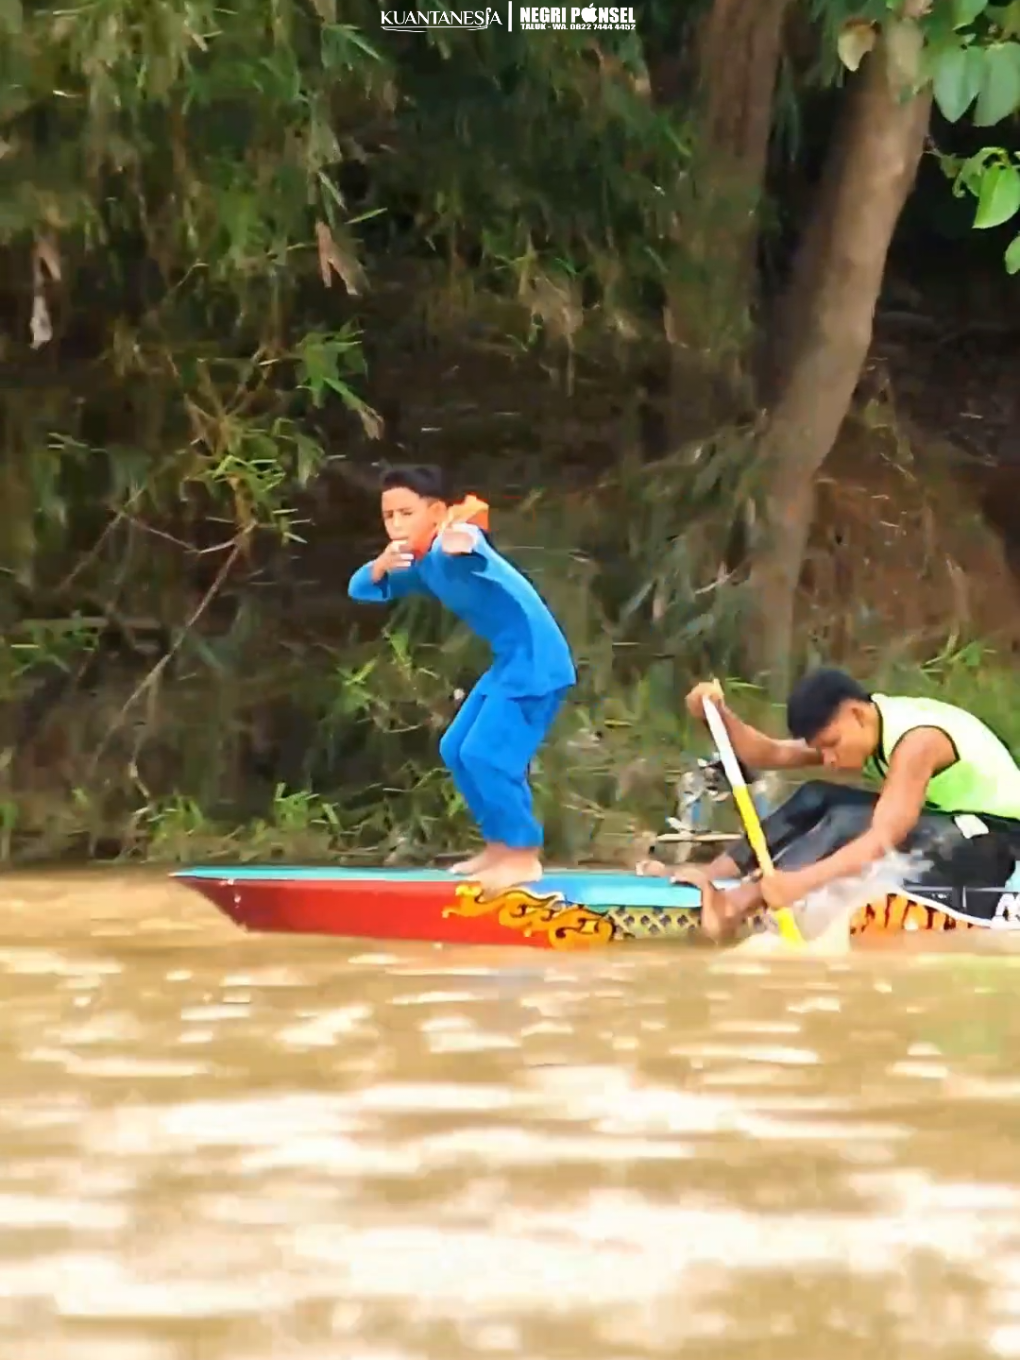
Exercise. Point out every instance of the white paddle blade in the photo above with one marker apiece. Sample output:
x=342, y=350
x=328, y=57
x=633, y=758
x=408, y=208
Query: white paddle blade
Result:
x=723, y=745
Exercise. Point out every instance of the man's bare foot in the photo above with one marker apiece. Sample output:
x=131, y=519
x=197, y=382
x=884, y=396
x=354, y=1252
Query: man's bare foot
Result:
x=478, y=862
x=717, y=920
x=652, y=868
x=513, y=868
x=713, y=916
x=729, y=911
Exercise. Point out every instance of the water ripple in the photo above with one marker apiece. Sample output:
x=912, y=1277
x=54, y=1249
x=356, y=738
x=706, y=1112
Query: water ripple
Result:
x=225, y=1147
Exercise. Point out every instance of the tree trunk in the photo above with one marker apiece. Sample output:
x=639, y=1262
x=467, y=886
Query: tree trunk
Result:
x=738, y=52
x=823, y=327
x=738, y=49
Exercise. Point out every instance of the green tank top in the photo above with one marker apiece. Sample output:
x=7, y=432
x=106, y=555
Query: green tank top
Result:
x=984, y=777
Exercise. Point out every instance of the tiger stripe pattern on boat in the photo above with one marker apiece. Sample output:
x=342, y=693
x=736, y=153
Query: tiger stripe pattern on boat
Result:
x=896, y=913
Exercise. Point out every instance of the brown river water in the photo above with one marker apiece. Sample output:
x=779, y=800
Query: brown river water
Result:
x=225, y=1147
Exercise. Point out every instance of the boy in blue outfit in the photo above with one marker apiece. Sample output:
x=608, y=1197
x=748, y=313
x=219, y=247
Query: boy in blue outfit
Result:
x=444, y=551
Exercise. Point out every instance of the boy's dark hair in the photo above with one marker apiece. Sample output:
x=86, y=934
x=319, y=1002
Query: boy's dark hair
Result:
x=424, y=479
x=816, y=698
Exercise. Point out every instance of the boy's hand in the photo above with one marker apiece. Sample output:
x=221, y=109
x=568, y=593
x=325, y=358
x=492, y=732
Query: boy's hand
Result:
x=394, y=557
x=458, y=539
x=706, y=689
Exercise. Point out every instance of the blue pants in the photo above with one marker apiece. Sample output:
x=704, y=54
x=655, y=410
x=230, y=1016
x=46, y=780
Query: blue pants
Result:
x=488, y=748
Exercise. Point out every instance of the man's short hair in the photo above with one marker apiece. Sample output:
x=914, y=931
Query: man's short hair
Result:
x=816, y=698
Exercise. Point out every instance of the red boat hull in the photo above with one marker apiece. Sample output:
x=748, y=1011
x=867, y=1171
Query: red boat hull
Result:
x=434, y=912
x=572, y=910
x=442, y=909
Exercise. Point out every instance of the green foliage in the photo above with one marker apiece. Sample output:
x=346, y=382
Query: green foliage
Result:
x=199, y=204
x=999, y=92
x=181, y=181
x=369, y=711
x=973, y=56
x=959, y=74
x=176, y=830
x=999, y=194
x=992, y=176
x=549, y=164
x=171, y=179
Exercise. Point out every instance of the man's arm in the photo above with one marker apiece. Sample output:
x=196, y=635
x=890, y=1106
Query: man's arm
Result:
x=918, y=756
x=762, y=752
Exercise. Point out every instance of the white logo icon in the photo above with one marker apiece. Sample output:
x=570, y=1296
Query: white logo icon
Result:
x=1007, y=912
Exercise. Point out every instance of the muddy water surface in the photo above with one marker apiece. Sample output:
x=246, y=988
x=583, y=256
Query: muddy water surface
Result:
x=220, y=1147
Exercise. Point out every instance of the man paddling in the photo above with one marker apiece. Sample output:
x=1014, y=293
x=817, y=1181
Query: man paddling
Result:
x=950, y=792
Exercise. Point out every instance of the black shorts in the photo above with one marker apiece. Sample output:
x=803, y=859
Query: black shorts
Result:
x=821, y=818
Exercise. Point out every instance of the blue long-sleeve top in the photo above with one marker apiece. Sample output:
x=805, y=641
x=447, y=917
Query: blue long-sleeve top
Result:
x=530, y=655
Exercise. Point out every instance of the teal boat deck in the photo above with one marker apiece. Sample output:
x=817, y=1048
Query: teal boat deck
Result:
x=593, y=888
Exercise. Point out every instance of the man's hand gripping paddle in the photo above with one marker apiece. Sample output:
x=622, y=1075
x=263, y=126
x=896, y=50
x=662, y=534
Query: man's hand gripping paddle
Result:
x=788, y=928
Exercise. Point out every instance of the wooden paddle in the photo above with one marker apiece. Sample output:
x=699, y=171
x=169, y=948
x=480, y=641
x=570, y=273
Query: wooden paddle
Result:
x=785, y=920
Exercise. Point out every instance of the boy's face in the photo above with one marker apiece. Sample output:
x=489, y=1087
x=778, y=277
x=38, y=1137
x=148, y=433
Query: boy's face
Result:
x=408, y=517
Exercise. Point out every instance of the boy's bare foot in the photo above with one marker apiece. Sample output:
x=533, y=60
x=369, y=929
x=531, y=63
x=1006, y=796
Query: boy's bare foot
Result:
x=512, y=869
x=478, y=862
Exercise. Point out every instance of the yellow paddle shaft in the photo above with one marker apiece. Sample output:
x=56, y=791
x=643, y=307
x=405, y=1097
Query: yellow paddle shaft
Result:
x=785, y=920
x=753, y=827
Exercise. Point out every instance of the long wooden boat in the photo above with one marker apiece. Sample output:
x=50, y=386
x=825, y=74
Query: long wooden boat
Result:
x=568, y=910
